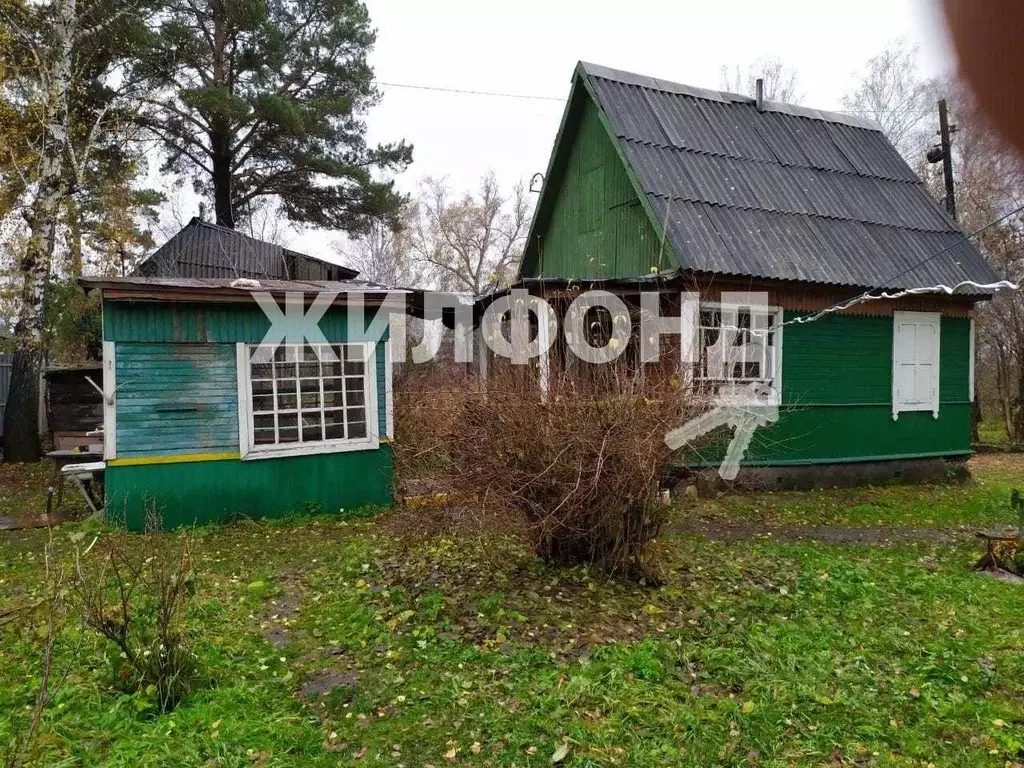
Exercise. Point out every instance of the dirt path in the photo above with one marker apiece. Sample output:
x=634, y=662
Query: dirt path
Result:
x=726, y=531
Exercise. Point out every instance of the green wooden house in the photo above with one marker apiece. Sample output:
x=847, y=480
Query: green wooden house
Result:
x=197, y=429
x=653, y=185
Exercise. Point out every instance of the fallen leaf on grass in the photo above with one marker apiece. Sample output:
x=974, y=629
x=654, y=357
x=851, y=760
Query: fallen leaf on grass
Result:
x=561, y=753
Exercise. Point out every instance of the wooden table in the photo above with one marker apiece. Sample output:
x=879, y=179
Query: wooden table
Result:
x=60, y=460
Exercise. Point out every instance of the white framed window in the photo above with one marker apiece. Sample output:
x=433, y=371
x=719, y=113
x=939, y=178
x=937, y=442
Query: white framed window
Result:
x=739, y=345
x=915, y=362
x=307, y=400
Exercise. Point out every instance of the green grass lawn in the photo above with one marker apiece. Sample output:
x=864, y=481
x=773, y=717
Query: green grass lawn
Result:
x=455, y=651
x=993, y=432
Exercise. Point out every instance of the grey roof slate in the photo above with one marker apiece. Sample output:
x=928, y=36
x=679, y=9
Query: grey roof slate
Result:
x=786, y=193
x=204, y=250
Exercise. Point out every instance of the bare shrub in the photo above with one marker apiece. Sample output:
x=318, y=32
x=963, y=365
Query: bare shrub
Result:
x=136, y=596
x=578, y=471
x=43, y=620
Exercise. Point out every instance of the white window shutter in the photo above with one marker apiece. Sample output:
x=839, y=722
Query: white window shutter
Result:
x=915, y=360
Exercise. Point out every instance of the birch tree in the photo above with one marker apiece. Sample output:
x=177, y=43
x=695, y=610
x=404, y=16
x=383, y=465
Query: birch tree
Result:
x=470, y=242
x=781, y=82
x=891, y=91
x=63, y=84
x=382, y=255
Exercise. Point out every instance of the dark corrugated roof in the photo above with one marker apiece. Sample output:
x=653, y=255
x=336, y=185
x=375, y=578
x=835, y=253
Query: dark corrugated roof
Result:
x=786, y=193
x=151, y=284
x=205, y=250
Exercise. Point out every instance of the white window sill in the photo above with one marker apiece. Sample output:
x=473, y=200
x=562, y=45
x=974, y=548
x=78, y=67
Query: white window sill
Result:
x=309, y=449
x=921, y=408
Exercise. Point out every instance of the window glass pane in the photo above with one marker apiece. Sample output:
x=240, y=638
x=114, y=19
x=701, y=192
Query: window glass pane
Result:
x=284, y=370
x=286, y=401
x=311, y=429
x=354, y=384
x=356, y=416
x=333, y=385
x=310, y=400
x=263, y=429
x=354, y=367
x=335, y=432
x=356, y=429
x=311, y=369
x=262, y=371
x=333, y=400
x=309, y=385
x=288, y=428
x=264, y=387
x=263, y=403
x=356, y=398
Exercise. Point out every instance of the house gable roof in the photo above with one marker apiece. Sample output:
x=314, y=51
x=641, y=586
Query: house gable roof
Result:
x=204, y=250
x=786, y=193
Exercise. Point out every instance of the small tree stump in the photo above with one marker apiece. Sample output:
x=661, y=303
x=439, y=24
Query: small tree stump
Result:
x=999, y=547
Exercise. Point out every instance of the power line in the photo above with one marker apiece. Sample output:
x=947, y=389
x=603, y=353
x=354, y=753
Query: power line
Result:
x=468, y=92
x=868, y=295
x=532, y=97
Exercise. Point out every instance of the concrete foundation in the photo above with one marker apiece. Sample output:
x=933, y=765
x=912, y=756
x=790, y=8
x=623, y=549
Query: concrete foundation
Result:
x=951, y=470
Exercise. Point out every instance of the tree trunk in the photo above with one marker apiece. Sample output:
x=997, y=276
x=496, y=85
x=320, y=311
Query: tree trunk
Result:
x=976, y=416
x=74, y=237
x=220, y=141
x=21, y=414
x=1002, y=388
x=1017, y=436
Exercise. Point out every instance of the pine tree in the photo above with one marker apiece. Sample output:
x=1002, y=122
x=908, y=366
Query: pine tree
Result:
x=265, y=98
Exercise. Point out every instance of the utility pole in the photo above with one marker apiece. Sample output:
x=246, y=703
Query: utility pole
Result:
x=944, y=152
x=947, y=157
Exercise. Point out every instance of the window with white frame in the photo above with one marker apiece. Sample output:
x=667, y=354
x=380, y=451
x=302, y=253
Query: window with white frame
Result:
x=307, y=398
x=738, y=345
x=915, y=362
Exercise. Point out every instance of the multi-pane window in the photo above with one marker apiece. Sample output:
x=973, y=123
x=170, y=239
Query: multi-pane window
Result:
x=738, y=345
x=310, y=395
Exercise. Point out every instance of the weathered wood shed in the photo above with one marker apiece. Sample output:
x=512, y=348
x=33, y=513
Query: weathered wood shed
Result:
x=199, y=430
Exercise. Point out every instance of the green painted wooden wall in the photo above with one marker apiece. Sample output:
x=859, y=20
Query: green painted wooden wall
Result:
x=837, y=398
x=177, y=394
x=212, y=491
x=597, y=226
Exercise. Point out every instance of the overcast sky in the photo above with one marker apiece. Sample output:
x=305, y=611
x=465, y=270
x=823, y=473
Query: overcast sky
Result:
x=529, y=48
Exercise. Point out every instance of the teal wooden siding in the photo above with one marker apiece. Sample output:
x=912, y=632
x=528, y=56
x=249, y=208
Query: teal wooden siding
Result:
x=837, y=399
x=597, y=226
x=213, y=323
x=175, y=399
x=212, y=491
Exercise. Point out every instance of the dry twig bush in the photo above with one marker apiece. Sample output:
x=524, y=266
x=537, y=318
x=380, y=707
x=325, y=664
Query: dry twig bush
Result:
x=578, y=471
x=135, y=595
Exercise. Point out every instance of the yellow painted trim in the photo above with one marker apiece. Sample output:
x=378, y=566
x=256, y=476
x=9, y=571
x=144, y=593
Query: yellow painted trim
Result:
x=182, y=459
